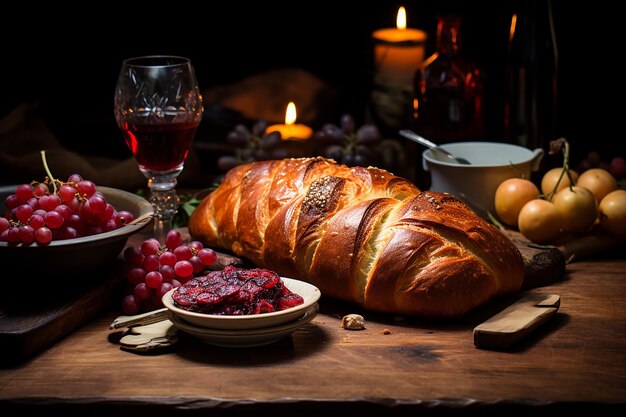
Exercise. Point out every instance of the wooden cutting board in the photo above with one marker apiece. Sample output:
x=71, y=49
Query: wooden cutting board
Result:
x=45, y=315
x=543, y=265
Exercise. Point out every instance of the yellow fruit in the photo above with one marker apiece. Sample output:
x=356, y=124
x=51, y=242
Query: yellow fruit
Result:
x=613, y=212
x=540, y=221
x=549, y=179
x=599, y=181
x=511, y=195
x=578, y=208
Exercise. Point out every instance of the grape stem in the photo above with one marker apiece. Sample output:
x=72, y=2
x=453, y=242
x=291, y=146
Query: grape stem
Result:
x=564, y=171
x=45, y=165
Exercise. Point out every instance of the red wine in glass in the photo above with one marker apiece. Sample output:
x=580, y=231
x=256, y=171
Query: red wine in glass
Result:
x=158, y=107
x=159, y=146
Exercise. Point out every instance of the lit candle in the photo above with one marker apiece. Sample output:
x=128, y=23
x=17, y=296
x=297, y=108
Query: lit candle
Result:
x=291, y=129
x=398, y=51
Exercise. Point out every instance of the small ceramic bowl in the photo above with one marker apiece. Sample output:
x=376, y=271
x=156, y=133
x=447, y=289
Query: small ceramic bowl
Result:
x=490, y=164
x=73, y=257
x=310, y=293
x=244, y=337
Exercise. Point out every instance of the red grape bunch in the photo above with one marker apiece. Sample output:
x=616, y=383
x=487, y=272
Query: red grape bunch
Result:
x=251, y=145
x=350, y=146
x=155, y=269
x=72, y=209
x=616, y=166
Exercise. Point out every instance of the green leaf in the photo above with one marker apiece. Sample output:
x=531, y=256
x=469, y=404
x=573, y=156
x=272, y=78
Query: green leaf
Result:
x=188, y=204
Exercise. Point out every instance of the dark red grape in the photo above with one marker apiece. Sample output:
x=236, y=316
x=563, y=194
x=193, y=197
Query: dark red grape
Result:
x=334, y=152
x=349, y=159
x=4, y=224
x=279, y=153
x=27, y=234
x=258, y=129
x=183, y=269
x=24, y=192
x=86, y=188
x=368, y=134
x=141, y=291
x=259, y=155
x=164, y=289
x=74, y=178
x=594, y=159
x=237, y=138
x=167, y=258
x=330, y=133
x=618, y=167
x=208, y=256
x=43, y=235
x=347, y=123
x=247, y=154
x=131, y=305
x=150, y=247
x=183, y=252
x=41, y=189
x=173, y=239
x=97, y=204
x=36, y=221
x=365, y=152
x=224, y=163
x=136, y=275
x=167, y=272
x=12, y=201
x=123, y=217
x=270, y=140
x=154, y=279
x=361, y=160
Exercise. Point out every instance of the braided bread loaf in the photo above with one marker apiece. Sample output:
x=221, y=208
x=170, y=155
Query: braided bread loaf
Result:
x=360, y=234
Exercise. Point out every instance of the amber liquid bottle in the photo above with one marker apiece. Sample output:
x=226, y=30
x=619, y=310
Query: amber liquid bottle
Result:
x=448, y=90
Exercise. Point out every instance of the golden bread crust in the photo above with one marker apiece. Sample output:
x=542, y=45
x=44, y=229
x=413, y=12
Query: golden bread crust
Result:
x=360, y=234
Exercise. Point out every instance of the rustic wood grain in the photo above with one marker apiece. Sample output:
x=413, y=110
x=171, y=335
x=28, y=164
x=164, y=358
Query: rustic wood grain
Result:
x=574, y=364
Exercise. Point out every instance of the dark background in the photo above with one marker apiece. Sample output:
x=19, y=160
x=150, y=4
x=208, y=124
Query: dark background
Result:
x=69, y=60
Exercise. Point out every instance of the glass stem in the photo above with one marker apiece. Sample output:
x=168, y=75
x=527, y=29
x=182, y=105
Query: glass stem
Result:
x=165, y=202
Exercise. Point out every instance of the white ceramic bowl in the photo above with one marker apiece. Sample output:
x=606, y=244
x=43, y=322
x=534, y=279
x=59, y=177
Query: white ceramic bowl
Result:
x=491, y=163
x=76, y=257
x=310, y=293
x=244, y=337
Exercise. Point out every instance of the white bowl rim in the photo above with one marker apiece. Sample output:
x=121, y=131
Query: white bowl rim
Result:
x=307, y=315
x=315, y=296
x=531, y=154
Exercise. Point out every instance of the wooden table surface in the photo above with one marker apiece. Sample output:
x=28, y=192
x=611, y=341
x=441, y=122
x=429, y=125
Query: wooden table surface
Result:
x=575, y=363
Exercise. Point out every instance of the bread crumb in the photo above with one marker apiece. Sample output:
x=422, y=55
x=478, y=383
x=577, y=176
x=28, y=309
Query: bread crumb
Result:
x=386, y=331
x=353, y=322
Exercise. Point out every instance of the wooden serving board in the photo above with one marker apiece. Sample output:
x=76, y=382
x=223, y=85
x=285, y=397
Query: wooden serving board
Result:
x=32, y=317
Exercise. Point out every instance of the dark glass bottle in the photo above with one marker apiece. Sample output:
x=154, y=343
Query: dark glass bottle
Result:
x=531, y=76
x=448, y=88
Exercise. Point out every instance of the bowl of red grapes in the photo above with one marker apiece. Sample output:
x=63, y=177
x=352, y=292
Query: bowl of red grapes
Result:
x=65, y=228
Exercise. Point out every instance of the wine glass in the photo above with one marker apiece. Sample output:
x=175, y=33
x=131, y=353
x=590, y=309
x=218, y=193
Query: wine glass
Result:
x=158, y=107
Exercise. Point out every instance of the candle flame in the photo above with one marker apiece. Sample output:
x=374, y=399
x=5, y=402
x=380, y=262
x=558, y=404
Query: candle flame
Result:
x=401, y=19
x=512, y=28
x=290, y=114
